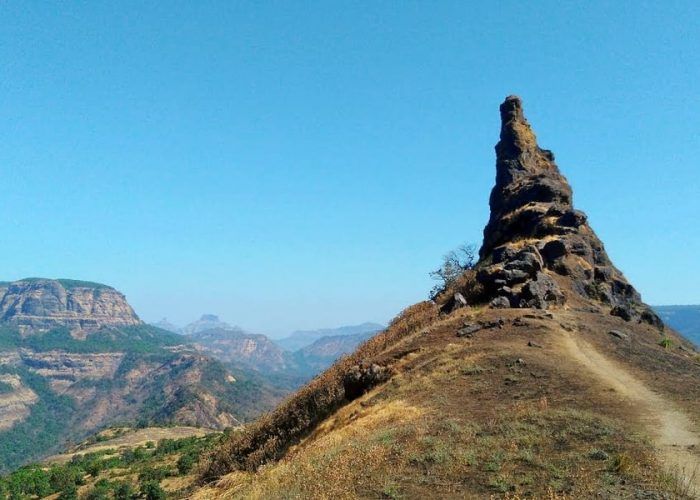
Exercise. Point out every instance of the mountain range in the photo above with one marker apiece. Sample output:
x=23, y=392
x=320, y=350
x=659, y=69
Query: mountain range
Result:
x=287, y=362
x=75, y=358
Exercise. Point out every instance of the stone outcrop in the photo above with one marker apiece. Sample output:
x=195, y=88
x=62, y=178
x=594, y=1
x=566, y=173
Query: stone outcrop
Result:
x=535, y=239
x=35, y=305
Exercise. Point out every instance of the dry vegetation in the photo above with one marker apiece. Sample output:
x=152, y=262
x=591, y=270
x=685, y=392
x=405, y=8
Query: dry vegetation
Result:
x=271, y=435
x=480, y=417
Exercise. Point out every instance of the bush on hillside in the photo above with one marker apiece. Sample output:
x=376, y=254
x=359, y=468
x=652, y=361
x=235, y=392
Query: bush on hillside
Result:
x=454, y=265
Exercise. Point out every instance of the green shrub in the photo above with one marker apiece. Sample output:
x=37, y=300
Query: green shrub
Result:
x=151, y=490
x=124, y=491
x=666, y=342
x=186, y=462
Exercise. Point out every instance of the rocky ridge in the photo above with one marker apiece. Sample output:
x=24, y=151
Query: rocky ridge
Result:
x=535, y=237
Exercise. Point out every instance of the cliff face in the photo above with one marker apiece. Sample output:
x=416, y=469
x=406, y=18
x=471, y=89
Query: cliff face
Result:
x=35, y=305
x=16, y=400
x=108, y=368
x=536, y=240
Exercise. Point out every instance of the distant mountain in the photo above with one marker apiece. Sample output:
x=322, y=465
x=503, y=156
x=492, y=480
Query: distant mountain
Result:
x=206, y=322
x=164, y=324
x=685, y=319
x=302, y=338
x=236, y=346
x=75, y=358
x=326, y=350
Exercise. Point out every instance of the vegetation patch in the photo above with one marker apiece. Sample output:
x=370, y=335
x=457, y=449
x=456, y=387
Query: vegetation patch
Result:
x=270, y=436
x=128, y=473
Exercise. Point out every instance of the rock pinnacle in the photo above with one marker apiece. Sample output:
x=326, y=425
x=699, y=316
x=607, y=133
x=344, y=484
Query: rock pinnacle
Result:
x=538, y=250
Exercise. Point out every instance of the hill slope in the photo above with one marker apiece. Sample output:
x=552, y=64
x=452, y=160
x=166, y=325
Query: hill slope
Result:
x=74, y=358
x=538, y=373
x=303, y=338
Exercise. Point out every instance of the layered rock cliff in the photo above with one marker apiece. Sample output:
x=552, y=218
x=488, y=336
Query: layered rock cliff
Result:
x=74, y=358
x=42, y=304
x=535, y=237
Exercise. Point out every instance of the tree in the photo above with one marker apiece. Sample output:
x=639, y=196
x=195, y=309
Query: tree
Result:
x=454, y=264
x=124, y=491
x=151, y=490
x=69, y=492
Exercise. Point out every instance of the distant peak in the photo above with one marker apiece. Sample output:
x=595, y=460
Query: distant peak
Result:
x=209, y=317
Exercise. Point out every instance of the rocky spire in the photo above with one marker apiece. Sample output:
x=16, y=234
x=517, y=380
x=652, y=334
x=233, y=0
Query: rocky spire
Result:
x=538, y=250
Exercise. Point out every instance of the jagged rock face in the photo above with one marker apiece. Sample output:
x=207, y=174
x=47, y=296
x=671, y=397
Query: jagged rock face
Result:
x=43, y=304
x=535, y=234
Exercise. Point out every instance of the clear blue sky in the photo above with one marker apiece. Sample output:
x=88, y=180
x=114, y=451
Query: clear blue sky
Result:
x=304, y=164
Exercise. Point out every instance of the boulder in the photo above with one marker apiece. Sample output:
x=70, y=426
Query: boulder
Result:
x=618, y=334
x=361, y=378
x=500, y=302
x=622, y=311
x=541, y=292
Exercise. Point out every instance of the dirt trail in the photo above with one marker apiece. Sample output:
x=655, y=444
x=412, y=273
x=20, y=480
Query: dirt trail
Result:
x=670, y=428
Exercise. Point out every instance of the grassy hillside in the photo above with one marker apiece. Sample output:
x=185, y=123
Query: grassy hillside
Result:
x=118, y=463
x=533, y=404
x=129, y=375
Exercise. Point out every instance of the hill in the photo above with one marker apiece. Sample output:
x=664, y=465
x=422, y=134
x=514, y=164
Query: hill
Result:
x=323, y=352
x=685, y=319
x=236, y=346
x=302, y=338
x=121, y=462
x=539, y=372
x=74, y=358
x=206, y=322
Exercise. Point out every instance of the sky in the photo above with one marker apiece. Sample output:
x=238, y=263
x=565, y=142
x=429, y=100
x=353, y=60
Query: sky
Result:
x=293, y=165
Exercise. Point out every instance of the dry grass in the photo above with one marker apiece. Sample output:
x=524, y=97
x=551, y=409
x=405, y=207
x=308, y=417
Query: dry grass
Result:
x=480, y=417
x=271, y=435
x=382, y=446
x=467, y=285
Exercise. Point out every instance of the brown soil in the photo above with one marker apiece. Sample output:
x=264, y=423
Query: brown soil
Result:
x=672, y=430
